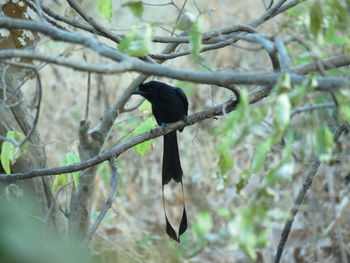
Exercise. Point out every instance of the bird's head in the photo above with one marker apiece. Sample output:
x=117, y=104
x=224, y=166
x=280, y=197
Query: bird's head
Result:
x=149, y=90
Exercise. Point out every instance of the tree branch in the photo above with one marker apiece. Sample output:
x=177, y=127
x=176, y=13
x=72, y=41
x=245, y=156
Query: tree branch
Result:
x=109, y=200
x=299, y=199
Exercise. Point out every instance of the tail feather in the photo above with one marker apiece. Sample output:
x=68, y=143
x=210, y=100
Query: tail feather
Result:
x=171, y=160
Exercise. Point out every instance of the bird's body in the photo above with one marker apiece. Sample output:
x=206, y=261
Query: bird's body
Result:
x=169, y=104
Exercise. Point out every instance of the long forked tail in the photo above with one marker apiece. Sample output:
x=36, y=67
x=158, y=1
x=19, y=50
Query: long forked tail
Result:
x=171, y=169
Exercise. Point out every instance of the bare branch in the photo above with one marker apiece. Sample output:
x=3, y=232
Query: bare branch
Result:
x=327, y=64
x=108, y=202
x=311, y=108
x=99, y=28
x=283, y=54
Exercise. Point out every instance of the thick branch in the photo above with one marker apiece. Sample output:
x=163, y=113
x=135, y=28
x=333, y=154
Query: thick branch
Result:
x=219, y=78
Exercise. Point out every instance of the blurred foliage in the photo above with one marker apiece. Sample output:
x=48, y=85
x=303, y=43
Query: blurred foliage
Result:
x=25, y=238
x=137, y=42
x=105, y=9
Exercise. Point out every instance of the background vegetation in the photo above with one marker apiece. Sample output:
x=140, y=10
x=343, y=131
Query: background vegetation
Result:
x=246, y=173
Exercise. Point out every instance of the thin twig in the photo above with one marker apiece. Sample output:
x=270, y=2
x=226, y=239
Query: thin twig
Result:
x=88, y=96
x=54, y=200
x=109, y=200
x=311, y=108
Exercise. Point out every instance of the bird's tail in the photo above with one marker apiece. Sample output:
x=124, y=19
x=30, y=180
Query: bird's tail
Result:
x=171, y=160
x=172, y=170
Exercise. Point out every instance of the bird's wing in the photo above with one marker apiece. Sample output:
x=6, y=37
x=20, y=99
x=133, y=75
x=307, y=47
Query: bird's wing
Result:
x=183, y=98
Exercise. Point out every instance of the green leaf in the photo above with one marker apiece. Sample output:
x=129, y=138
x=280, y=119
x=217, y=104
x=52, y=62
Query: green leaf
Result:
x=340, y=12
x=250, y=228
x=316, y=17
x=203, y=224
x=324, y=143
x=137, y=43
x=60, y=180
x=135, y=6
x=343, y=98
x=72, y=158
x=243, y=181
x=69, y=159
x=5, y=156
x=105, y=9
x=225, y=157
x=259, y=157
x=196, y=39
x=145, y=126
x=145, y=108
x=187, y=87
x=9, y=152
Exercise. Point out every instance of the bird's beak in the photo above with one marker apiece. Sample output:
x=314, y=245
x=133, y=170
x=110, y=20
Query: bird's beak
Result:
x=137, y=92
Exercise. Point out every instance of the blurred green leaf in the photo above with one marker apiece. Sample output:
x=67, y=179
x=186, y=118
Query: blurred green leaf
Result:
x=105, y=9
x=340, y=12
x=137, y=43
x=196, y=39
x=203, y=223
x=69, y=159
x=9, y=152
x=316, y=17
x=298, y=93
x=343, y=98
x=145, y=108
x=224, y=212
x=144, y=126
x=324, y=143
x=72, y=158
x=187, y=87
x=260, y=154
x=240, y=115
x=135, y=6
x=143, y=242
x=59, y=180
x=243, y=181
x=225, y=156
x=250, y=228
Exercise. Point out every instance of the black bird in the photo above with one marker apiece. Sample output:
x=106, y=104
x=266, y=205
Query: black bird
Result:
x=169, y=104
